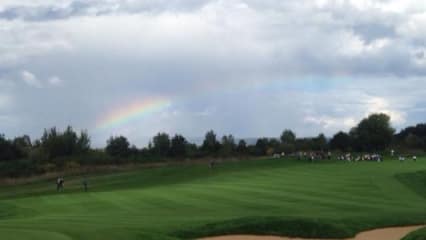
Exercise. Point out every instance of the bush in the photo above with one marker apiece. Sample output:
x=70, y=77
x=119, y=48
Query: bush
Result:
x=72, y=165
x=19, y=168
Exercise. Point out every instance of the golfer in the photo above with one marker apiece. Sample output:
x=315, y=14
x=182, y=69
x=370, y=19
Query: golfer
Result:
x=59, y=184
x=85, y=184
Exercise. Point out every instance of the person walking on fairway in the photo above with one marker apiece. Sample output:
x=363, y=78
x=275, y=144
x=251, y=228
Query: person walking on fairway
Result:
x=59, y=184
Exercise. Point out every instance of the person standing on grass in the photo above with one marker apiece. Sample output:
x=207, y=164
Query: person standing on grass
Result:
x=414, y=158
x=85, y=184
x=211, y=164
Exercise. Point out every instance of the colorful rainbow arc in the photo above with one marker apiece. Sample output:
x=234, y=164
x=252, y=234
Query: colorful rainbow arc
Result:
x=130, y=112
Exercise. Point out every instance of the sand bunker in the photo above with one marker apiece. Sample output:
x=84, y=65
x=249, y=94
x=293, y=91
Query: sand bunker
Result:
x=393, y=233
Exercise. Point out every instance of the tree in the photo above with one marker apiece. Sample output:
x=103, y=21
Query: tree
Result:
x=22, y=145
x=23, y=141
x=242, y=146
x=210, y=143
x=288, y=137
x=419, y=130
x=161, y=144
x=288, y=141
x=83, y=142
x=261, y=146
x=178, y=146
x=69, y=141
x=57, y=144
x=340, y=141
x=118, y=147
x=320, y=142
x=413, y=136
x=414, y=142
x=228, y=145
x=7, y=149
x=373, y=133
x=192, y=150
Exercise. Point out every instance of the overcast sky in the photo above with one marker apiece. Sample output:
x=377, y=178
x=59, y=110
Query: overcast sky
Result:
x=247, y=67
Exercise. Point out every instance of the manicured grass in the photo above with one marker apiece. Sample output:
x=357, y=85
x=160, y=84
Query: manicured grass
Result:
x=273, y=196
x=415, y=181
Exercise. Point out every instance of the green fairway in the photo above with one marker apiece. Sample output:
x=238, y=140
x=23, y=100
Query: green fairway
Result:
x=189, y=201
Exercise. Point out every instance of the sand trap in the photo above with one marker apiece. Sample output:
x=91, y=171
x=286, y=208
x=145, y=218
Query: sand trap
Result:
x=393, y=233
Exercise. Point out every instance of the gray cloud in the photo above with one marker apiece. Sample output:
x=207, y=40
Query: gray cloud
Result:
x=77, y=8
x=43, y=13
x=247, y=67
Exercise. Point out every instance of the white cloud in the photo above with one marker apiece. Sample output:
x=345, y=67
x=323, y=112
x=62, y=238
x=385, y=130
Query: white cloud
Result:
x=331, y=123
x=21, y=41
x=30, y=79
x=55, y=81
x=381, y=105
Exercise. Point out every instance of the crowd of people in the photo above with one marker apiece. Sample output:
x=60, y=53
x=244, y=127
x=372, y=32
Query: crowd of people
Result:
x=360, y=157
x=349, y=157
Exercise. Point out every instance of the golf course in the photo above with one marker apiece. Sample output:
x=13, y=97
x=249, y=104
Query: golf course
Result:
x=280, y=197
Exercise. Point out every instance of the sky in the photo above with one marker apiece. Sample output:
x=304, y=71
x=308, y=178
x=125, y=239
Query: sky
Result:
x=250, y=68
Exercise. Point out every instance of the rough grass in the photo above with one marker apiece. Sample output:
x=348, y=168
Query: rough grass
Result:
x=270, y=226
x=285, y=197
x=417, y=235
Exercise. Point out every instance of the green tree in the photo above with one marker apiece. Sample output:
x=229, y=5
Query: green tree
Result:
x=414, y=142
x=161, y=144
x=228, y=146
x=340, y=141
x=83, y=142
x=57, y=144
x=288, y=137
x=288, y=142
x=23, y=145
x=7, y=149
x=69, y=142
x=178, y=146
x=242, y=147
x=210, y=143
x=261, y=146
x=118, y=146
x=413, y=136
x=373, y=133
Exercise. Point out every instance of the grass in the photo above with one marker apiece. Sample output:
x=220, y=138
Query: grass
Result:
x=415, y=181
x=287, y=197
x=417, y=235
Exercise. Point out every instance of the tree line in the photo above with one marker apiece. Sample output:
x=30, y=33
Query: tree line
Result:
x=70, y=149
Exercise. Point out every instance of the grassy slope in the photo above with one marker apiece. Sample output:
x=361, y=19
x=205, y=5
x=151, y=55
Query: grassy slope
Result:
x=161, y=203
x=417, y=235
x=415, y=181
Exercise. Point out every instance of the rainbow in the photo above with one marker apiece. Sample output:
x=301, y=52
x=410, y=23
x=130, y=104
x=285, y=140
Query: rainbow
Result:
x=133, y=111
